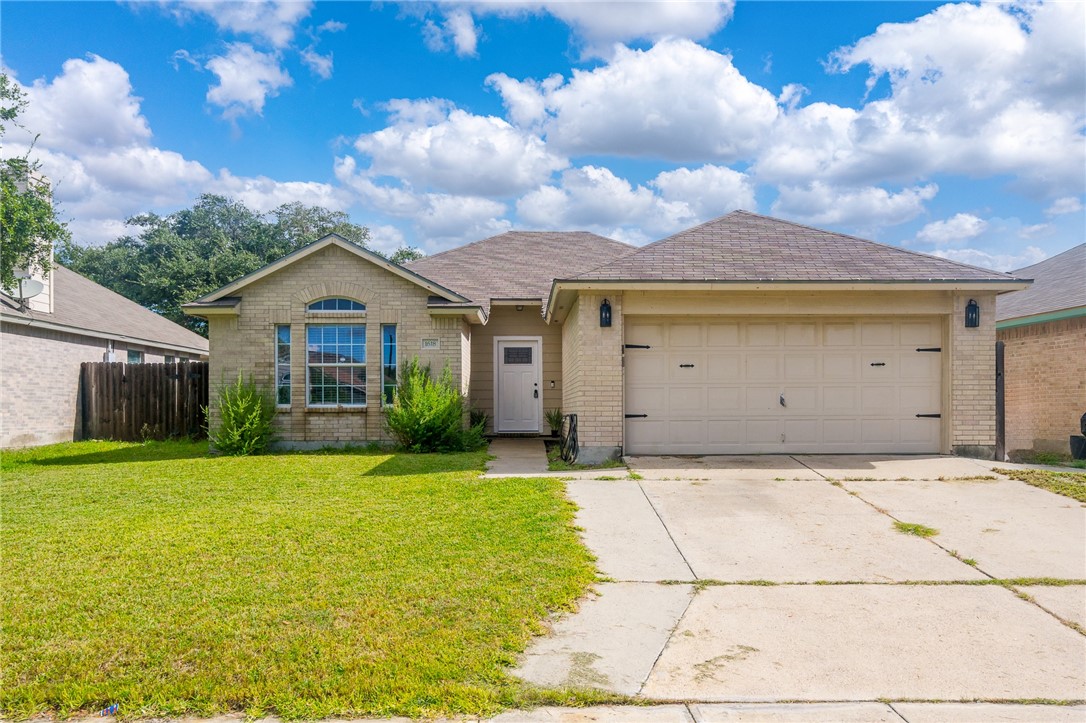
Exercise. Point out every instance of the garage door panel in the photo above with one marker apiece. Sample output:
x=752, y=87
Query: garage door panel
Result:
x=920, y=333
x=801, y=400
x=723, y=368
x=723, y=399
x=763, y=334
x=841, y=400
x=763, y=399
x=841, y=367
x=724, y=432
x=840, y=431
x=802, y=431
x=686, y=402
x=877, y=333
x=839, y=334
x=685, y=335
x=800, y=366
x=878, y=431
x=722, y=335
x=763, y=431
x=760, y=367
x=878, y=400
x=919, y=365
x=686, y=367
x=647, y=400
x=652, y=335
x=836, y=401
x=645, y=367
x=800, y=334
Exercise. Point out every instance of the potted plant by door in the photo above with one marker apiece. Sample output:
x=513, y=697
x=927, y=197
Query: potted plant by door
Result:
x=554, y=420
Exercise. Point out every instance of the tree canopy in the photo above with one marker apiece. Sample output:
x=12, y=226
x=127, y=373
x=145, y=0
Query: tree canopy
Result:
x=173, y=259
x=29, y=224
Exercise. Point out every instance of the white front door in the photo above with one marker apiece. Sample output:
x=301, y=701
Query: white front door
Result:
x=518, y=372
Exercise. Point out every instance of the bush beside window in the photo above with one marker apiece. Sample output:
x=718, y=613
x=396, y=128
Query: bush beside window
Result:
x=245, y=419
x=427, y=414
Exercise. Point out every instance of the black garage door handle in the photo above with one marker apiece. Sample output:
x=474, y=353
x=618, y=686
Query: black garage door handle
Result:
x=635, y=416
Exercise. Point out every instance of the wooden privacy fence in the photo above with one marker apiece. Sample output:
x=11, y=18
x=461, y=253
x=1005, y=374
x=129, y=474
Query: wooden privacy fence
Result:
x=136, y=402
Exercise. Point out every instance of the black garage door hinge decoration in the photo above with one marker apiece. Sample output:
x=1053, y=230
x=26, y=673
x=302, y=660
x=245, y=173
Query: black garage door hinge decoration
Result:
x=930, y=348
x=635, y=416
x=930, y=416
x=636, y=346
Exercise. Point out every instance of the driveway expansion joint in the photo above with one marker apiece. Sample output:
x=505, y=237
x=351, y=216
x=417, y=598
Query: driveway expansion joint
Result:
x=668, y=531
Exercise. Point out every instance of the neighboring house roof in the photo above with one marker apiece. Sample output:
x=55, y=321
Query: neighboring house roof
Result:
x=518, y=265
x=1059, y=284
x=747, y=247
x=206, y=302
x=85, y=306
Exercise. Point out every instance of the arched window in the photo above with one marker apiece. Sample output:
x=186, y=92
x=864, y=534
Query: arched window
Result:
x=337, y=304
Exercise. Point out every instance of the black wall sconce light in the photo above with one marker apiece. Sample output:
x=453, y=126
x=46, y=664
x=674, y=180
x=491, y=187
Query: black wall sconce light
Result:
x=972, y=314
x=605, y=313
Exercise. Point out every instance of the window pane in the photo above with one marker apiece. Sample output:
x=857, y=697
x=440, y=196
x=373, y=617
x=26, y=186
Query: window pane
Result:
x=388, y=362
x=135, y=357
x=518, y=355
x=336, y=364
x=337, y=304
x=282, y=364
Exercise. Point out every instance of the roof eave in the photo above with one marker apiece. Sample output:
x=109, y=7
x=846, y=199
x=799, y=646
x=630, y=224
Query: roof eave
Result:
x=330, y=240
x=1041, y=318
x=560, y=286
x=81, y=331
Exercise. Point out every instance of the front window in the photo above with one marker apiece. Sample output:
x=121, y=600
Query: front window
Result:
x=336, y=364
x=168, y=359
x=282, y=365
x=337, y=305
x=388, y=362
x=135, y=357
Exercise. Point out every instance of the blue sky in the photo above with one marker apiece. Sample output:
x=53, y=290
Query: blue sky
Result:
x=955, y=129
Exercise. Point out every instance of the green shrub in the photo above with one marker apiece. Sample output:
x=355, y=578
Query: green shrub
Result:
x=427, y=414
x=245, y=419
x=554, y=419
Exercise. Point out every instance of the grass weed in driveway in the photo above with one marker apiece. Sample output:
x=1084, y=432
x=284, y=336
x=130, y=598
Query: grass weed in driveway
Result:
x=1068, y=484
x=310, y=585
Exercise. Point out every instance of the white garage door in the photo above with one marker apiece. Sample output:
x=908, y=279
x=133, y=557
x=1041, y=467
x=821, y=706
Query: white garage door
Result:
x=730, y=386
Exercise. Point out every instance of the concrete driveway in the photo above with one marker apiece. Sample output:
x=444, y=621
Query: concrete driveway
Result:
x=777, y=578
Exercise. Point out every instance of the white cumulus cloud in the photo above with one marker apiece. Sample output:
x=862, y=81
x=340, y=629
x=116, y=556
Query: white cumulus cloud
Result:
x=431, y=144
x=1065, y=205
x=866, y=207
x=246, y=78
x=959, y=227
x=273, y=21
x=677, y=100
x=994, y=261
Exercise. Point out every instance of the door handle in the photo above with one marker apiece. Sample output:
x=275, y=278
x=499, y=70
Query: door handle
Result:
x=782, y=401
x=535, y=394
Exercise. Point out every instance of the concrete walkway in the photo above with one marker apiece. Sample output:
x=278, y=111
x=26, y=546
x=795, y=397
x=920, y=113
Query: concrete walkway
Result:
x=774, y=579
x=514, y=456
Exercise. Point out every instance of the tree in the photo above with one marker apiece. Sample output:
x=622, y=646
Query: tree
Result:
x=404, y=254
x=172, y=260
x=29, y=224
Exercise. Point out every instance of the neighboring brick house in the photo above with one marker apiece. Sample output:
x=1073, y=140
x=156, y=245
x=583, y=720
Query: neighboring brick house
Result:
x=745, y=334
x=1043, y=329
x=44, y=340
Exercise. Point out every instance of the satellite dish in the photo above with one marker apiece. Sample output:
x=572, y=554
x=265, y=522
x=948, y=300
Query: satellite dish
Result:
x=28, y=289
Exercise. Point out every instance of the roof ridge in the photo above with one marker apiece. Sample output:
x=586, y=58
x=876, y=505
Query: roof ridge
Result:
x=457, y=248
x=879, y=243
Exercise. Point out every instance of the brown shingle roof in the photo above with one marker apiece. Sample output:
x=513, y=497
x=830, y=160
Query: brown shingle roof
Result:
x=80, y=303
x=744, y=246
x=517, y=264
x=1058, y=283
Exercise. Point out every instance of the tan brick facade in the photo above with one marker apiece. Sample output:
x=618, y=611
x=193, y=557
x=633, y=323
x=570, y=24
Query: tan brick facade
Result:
x=592, y=361
x=972, y=378
x=246, y=343
x=39, y=381
x=1045, y=383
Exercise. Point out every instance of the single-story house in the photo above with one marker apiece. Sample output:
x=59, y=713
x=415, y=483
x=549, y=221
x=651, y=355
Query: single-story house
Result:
x=68, y=321
x=1043, y=329
x=745, y=334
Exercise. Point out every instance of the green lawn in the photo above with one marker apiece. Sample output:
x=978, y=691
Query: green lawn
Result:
x=309, y=585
